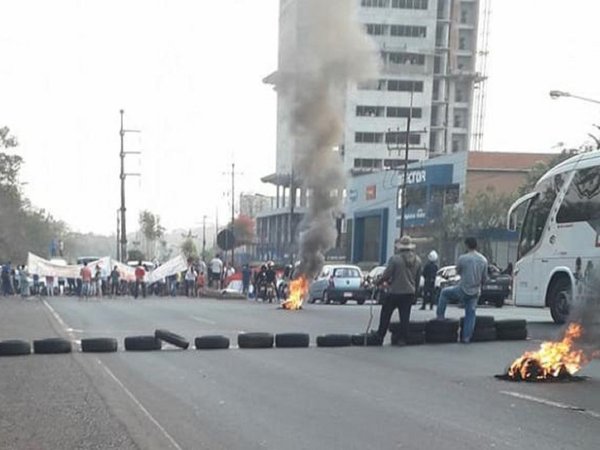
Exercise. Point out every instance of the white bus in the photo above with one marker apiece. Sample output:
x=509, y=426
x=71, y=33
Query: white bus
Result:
x=559, y=242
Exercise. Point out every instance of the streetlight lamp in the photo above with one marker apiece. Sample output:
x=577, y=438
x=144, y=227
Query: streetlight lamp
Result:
x=555, y=94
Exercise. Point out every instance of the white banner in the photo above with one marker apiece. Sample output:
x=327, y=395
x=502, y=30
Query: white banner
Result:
x=171, y=267
x=45, y=268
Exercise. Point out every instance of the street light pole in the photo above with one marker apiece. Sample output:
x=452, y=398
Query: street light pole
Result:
x=557, y=94
x=118, y=236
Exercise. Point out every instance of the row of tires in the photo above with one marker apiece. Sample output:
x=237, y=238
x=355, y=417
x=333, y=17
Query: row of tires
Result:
x=448, y=331
x=433, y=331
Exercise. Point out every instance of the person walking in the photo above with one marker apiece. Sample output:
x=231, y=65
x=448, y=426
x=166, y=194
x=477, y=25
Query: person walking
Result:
x=402, y=274
x=472, y=268
x=98, y=281
x=429, y=273
x=24, y=281
x=190, y=280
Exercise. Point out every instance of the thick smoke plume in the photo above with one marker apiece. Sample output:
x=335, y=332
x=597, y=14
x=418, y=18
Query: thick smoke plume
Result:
x=332, y=50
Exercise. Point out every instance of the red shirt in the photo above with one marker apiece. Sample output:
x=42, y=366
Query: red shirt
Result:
x=139, y=273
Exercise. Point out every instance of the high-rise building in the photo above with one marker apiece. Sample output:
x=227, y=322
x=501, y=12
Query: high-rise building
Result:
x=428, y=52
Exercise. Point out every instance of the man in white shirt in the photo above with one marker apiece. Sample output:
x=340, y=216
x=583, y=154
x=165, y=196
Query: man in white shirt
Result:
x=216, y=269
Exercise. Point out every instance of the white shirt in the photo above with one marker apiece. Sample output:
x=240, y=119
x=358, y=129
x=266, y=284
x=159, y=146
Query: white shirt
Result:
x=216, y=265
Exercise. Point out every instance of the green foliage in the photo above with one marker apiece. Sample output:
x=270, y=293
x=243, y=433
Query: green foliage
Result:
x=188, y=248
x=135, y=255
x=151, y=229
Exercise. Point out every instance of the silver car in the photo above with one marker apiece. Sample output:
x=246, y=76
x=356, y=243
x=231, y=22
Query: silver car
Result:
x=338, y=283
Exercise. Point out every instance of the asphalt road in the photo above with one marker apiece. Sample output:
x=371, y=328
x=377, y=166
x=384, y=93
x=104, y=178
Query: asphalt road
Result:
x=425, y=397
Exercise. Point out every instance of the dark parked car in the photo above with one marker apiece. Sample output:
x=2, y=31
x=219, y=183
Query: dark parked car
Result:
x=495, y=290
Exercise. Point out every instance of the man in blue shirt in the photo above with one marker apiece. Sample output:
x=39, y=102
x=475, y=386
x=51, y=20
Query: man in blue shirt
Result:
x=472, y=268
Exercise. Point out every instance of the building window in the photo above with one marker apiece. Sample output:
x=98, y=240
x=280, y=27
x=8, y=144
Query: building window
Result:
x=370, y=111
x=395, y=137
x=416, y=59
x=455, y=145
x=416, y=196
x=393, y=163
x=404, y=85
x=408, y=31
x=409, y=4
x=368, y=138
x=376, y=29
x=367, y=164
x=375, y=3
x=404, y=112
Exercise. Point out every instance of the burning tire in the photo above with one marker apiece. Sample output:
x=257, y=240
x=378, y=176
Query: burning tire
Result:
x=559, y=299
x=172, y=338
x=255, y=340
x=14, y=347
x=52, y=346
x=211, y=342
x=334, y=340
x=484, y=335
x=359, y=339
x=99, y=345
x=292, y=340
x=142, y=343
x=516, y=334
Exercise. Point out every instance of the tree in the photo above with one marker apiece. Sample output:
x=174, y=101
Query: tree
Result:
x=243, y=230
x=151, y=229
x=189, y=249
x=135, y=255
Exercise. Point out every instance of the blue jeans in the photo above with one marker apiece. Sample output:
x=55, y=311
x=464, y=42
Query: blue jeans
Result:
x=470, y=301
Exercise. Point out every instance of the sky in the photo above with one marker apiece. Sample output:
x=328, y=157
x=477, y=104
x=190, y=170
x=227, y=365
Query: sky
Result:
x=189, y=76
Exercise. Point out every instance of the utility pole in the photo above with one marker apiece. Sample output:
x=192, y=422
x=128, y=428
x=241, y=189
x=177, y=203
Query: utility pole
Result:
x=118, y=236
x=397, y=147
x=204, y=238
x=291, y=219
x=233, y=174
x=123, y=175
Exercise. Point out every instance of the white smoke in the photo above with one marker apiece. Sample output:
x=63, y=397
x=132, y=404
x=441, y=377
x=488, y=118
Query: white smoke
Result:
x=332, y=51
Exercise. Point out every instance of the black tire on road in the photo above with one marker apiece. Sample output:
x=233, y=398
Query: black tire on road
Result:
x=214, y=342
x=515, y=334
x=415, y=338
x=255, y=340
x=325, y=298
x=14, y=347
x=481, y=322
x=560, y=294
x=413, y=327
x=292, y=340
x=334, y=340
x=484, y=335
x=441, y=338
x=172, y=338
x=510, y=324
x=142, y=343
x=52, y=346
x=99, y=345
x=446, y=326
x=359, y=339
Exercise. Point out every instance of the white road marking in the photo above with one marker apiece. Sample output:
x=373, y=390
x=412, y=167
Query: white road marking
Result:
x=202, y=319
x=69, y=331
x=542, y=401
x=165, y=433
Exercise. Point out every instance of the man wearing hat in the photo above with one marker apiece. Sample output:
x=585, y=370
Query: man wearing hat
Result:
x=402, y=274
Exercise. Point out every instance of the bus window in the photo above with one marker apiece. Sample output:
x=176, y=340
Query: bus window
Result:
x=536, y=218
x=582, y=200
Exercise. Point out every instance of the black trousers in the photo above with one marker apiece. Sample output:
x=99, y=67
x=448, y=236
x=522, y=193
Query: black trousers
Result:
x=428, y=295
x=402, y=302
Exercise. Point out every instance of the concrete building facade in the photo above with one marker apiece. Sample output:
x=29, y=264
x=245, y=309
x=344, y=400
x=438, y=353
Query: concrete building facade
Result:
x=427, y=50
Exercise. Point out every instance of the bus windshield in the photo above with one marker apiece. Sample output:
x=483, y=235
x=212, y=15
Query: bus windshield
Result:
x=536, y=218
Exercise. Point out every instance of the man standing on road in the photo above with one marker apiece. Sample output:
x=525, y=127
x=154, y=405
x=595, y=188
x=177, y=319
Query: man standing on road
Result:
x=114, y=281
x=140, y=273
x=472, y=268
x=216, y=268
x=429, y=273
x=403, y=273
x=86, y=279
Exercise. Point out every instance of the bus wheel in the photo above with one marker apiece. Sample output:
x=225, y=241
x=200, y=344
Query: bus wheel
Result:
x=560, y=300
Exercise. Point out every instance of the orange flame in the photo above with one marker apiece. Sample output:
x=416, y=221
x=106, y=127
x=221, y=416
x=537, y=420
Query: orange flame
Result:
x=298, y=290
x=552, y=360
